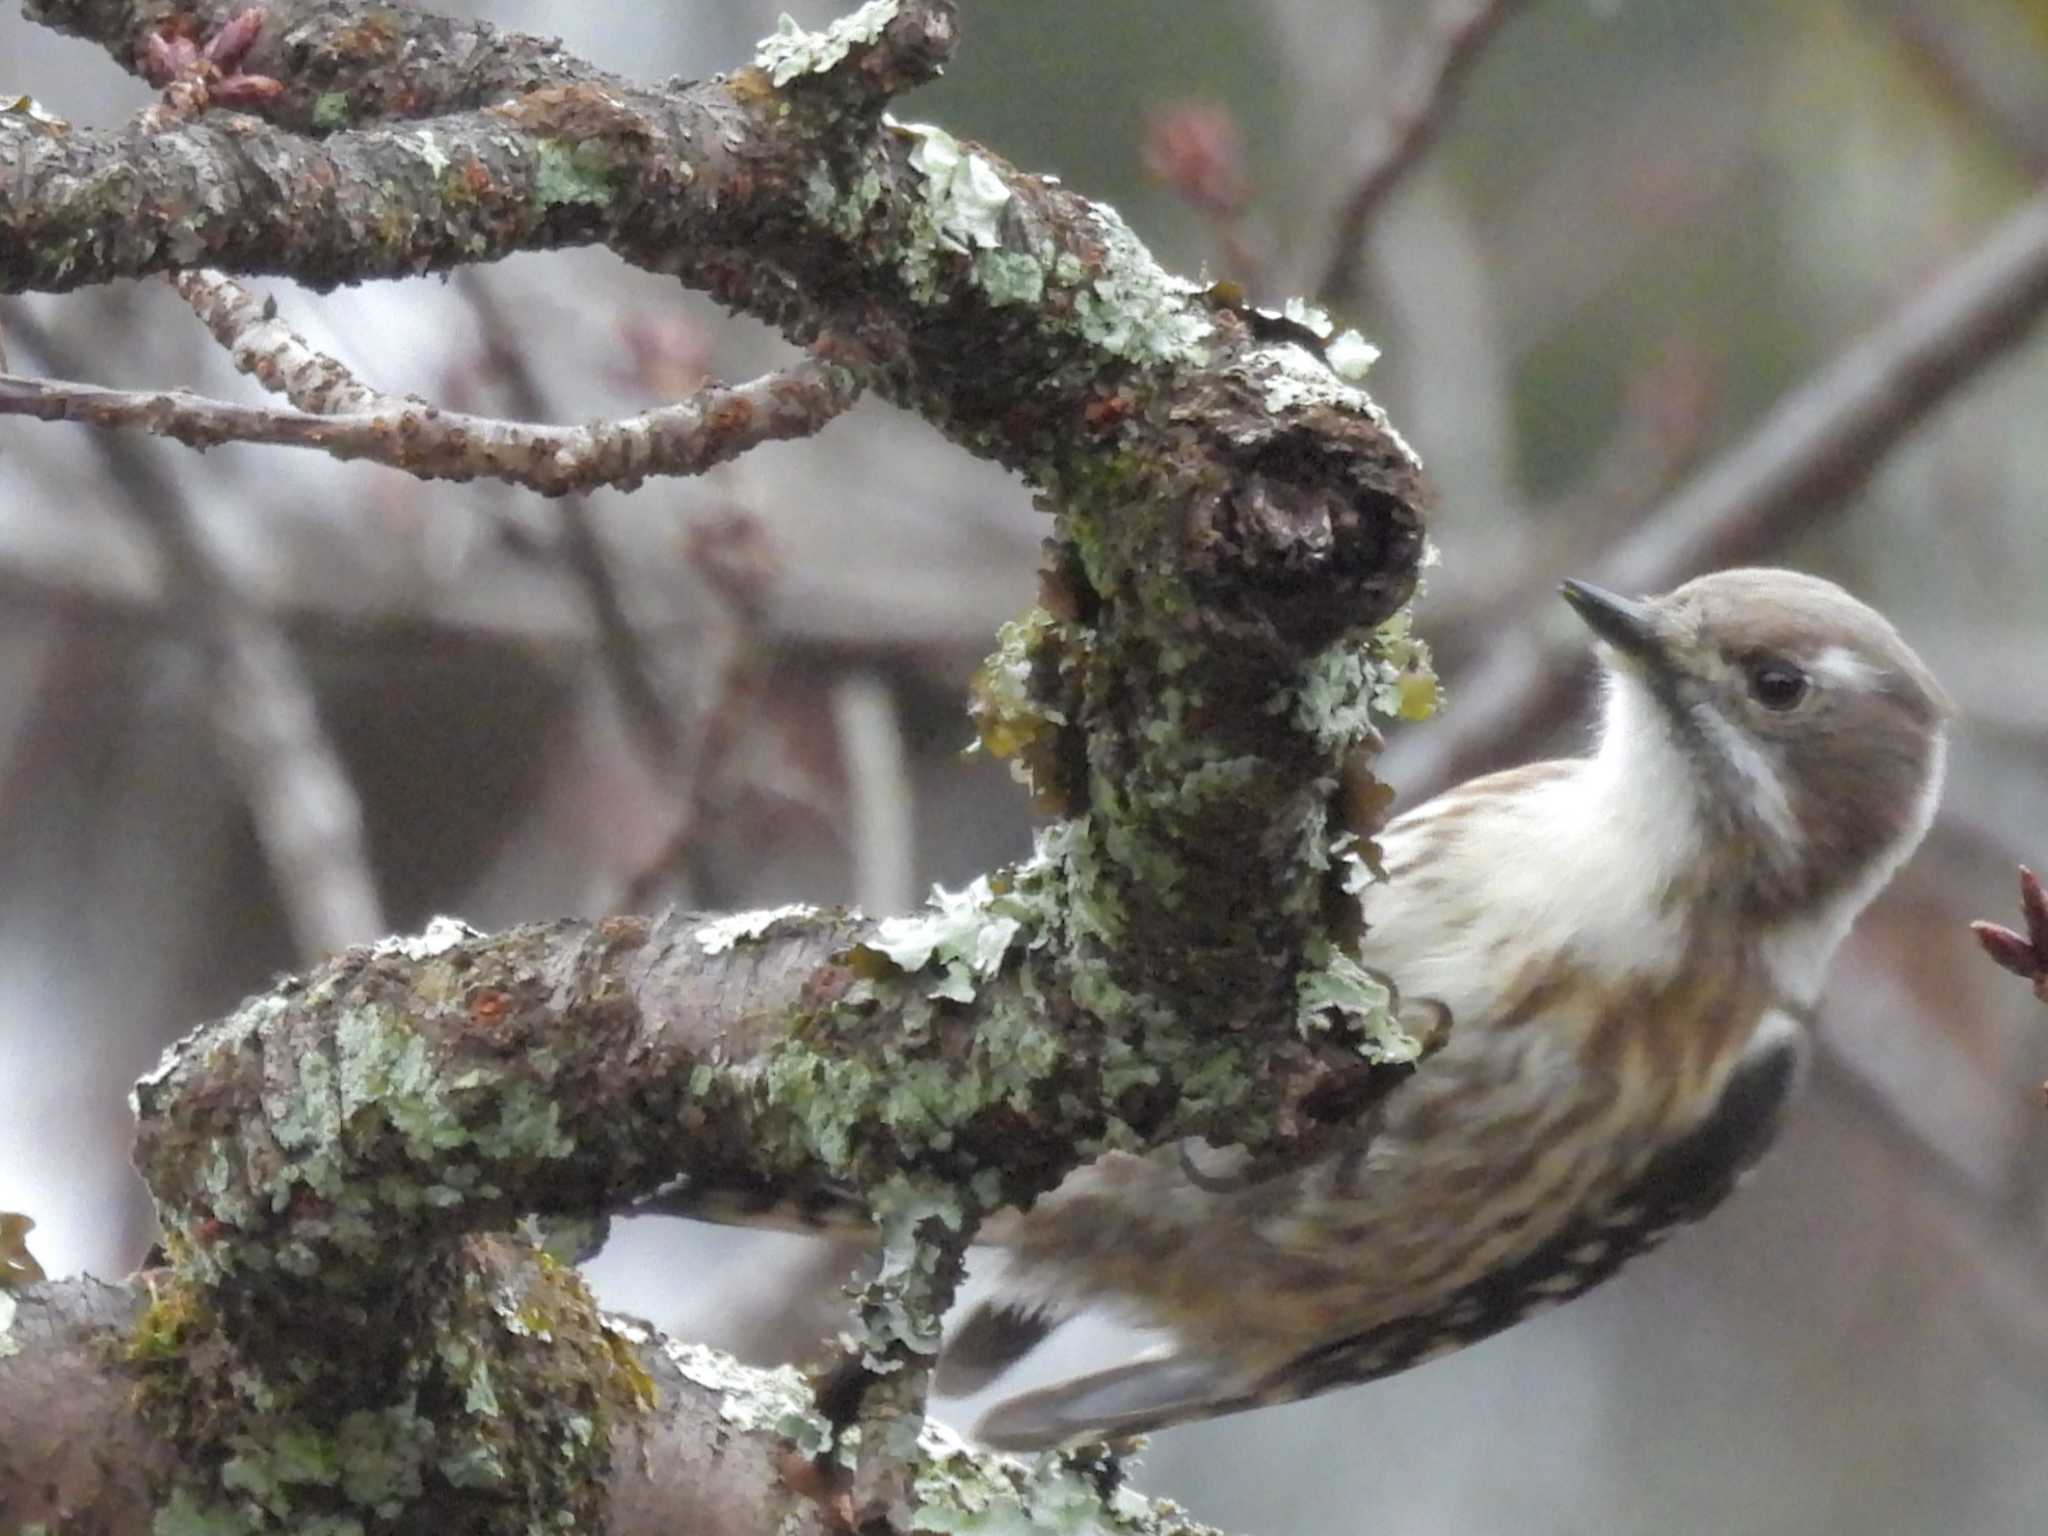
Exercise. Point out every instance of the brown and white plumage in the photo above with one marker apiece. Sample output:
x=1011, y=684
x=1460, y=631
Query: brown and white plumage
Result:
x=1628, y=946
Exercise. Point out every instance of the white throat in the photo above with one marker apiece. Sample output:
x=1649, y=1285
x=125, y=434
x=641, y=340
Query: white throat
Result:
x=1641, y=792
x=1639, y=800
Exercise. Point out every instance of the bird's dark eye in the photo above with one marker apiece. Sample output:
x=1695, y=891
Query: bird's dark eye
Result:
x=1777, y=684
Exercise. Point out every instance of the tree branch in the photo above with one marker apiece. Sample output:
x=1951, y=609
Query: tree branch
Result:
x=1234, y=525
x=1229, y=507
x=697, y=1441
x=271, y=352
x=713, y=426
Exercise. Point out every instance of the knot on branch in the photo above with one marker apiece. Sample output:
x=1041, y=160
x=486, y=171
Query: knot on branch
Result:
x=1297, y=549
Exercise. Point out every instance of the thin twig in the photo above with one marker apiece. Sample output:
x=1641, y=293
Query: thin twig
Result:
x=271, y=352
x=716, y=424
x=1806, y=456
x=1454, y=34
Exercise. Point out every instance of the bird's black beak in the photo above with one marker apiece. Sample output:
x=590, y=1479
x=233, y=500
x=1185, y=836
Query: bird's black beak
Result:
x=1629, y=626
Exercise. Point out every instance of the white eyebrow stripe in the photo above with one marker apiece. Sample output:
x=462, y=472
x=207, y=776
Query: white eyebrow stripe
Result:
x=1768, y=797
x=1840, y=665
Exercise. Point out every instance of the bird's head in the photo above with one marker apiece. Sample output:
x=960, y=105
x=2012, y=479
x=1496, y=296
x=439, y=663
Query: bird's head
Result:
x=1812, y=735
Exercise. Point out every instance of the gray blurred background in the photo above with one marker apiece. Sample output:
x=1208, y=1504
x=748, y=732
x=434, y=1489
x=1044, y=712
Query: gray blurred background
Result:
x=1643, y=222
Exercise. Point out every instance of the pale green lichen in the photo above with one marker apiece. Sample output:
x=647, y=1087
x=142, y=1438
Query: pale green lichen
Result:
x=1135, y=309
x=572, y=171
x=790, y=52
x=923, y=1102
x=841, y=212
x=1009, y=277
x=1131, y=840
x=1310, y=317
x=963, y=935
x=964, y=1492
x=1017, y=1052
x=1347, y=853
x=724, y=933
x=474, y=1466
x=1349, y=354
x=1331, y=700
x=183, y=1515
x=1066, y=851
x=382, y=1061
x=374, y=1457
x=220, y=1182
x=330, y=111
x=1011, y=722
x=1295, y=377
x=1334, y=984
x=1004, y=680
x=828, y=1096
x=896, y=1311
x=1337, y=691
x=778, y=1402
x=529, y=1125
x=964, y=195
x=310, y=1115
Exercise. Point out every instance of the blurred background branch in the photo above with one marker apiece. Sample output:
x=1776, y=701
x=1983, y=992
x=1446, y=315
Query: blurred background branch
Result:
x=1409, y=112
x=1813, y=448
x=259, y=702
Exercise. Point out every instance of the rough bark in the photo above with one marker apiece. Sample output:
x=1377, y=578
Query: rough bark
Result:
x=1234, y=527
x=694, y=1440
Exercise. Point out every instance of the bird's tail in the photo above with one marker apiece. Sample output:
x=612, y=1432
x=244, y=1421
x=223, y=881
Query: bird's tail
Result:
x=995, y=1336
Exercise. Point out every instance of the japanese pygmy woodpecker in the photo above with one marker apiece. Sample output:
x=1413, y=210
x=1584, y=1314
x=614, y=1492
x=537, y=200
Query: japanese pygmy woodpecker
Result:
x=1629, y=947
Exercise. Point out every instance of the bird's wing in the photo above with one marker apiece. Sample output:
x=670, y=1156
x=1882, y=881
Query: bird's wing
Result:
x=1680, y=1184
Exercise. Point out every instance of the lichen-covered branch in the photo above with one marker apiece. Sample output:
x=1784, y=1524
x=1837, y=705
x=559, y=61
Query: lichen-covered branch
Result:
x=1234, y=532
x=530, y=1408
x=415, y=1089
x=929, y=1068
x=1233, y=515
